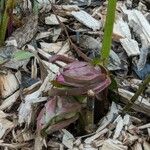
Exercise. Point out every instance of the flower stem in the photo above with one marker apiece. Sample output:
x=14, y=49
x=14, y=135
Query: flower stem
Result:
x=108, y=29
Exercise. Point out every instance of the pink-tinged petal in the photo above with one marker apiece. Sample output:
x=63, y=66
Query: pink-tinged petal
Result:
x=48, y=110
x=75, y=64
x=102, y=86
x=73, y=91
x=68, y=104
x=81, y=77
x=60, y=79
x=41, y=119
x=85, y=80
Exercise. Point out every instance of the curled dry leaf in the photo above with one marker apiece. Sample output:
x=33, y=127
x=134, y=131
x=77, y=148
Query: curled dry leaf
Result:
x=25, y=109
x=57, y=113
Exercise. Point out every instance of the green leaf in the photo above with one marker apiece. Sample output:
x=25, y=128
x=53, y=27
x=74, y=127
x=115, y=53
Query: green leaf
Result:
x=113, y=89
x=22, y=55
x=96, y=61
x=113, y=86
x=80, y=98
x=56, y=84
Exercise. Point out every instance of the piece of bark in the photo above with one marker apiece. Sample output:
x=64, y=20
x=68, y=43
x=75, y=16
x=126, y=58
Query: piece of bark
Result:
x=119, y=128
x=127, y=120
x=137, y=146
x=68, y=139
x=25, y=109
x=143, y=57
x=5, y=125
x=42, y=35
x=130, y=46
x=97, y=135
x=39, y=142
x=121, y=30
x=113, y=145
x=8, y=102
x=25, y=33
x=130, y=139
x=65, y=10
x=106, y=120
x=51, y=47
x=138, y=22
x=8, y=84
x=87, y=19
x=148, y=130
x=146, y=145
x=52, y=20
x=144, y=126
x=141, y=105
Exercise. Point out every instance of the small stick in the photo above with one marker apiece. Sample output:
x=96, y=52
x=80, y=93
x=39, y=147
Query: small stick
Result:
x=72, y=44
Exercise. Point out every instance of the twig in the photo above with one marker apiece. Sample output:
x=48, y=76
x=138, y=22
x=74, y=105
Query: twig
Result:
x=72, y=44
x=136, y=95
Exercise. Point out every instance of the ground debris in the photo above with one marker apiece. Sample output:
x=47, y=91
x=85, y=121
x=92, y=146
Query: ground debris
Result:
x=43, y=71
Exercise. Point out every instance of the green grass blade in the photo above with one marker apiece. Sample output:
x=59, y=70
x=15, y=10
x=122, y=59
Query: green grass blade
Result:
x=2, y=2
x=5, y=18
x=108, y=29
